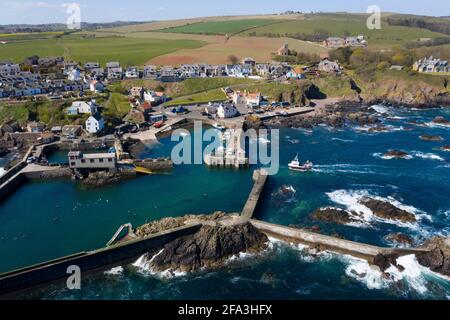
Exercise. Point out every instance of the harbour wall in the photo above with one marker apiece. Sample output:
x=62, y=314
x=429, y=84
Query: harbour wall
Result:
x=88, y=262
x=324, y=242
x=259, y=178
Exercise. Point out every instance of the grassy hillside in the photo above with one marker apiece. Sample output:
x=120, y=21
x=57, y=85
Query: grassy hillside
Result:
x=337, y=25
x=129, y=51
x=17, y=51
x=220, y=27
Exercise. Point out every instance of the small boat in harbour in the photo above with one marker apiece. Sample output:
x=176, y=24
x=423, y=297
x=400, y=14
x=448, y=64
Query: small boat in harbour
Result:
x=295, y=165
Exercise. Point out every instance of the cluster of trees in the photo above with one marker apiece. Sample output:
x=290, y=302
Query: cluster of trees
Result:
x=432, y=24
x=298, y=58
x=367, y=62
x=429, y=43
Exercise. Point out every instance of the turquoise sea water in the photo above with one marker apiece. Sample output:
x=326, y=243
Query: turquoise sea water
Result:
x=46, y=220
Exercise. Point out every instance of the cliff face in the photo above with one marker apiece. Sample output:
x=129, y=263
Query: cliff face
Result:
x=413, y=90
x=209, y=247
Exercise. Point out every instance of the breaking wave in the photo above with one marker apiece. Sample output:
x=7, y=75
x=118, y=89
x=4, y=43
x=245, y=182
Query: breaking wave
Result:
x=372, y=277
x=143, y=266
x=351, y=201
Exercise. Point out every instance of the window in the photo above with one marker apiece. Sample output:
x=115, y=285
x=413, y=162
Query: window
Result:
x=92, y=160
x=83, y=161
x=100, y=160
x=110, y=160
x=72, y=164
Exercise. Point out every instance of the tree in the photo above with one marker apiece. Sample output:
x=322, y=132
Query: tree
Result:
x=233, y=59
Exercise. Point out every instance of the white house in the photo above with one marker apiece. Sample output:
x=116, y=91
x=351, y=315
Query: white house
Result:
x=154, y=97
x=249, y=99
x=74, y=75
x=82, y=107
x=95, y=123
x=132, y=73
x=96, y=86
x=7, y=69
x=226, y=110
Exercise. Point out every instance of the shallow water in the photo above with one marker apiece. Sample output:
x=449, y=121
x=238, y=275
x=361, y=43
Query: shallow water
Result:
x=47, y=220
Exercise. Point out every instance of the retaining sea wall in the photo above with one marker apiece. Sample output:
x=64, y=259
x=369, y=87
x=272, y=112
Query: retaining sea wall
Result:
x=88, y=262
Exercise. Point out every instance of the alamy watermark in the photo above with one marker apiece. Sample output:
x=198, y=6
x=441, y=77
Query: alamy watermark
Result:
x=73, y=22
x=374, y=20
x=74, y=280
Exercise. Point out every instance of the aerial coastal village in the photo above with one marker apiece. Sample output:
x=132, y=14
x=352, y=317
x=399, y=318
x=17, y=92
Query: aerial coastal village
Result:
x=293, y=155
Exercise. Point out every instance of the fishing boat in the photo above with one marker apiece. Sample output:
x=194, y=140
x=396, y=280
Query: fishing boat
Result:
x=295, y=165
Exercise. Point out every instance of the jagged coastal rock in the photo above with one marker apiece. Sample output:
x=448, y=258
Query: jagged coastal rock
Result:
x=283, y=195
x=170, y=223
x=210, y=247
x=388, y=211
x=400, y=239
x=438, y=259
x=441, y=121
x=333, y=215
x=396, y=154
x=103, y=178
x=428, y=137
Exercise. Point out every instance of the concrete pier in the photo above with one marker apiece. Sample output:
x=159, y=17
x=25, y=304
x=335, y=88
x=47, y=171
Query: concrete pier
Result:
x=259, y=178
x=323, y=242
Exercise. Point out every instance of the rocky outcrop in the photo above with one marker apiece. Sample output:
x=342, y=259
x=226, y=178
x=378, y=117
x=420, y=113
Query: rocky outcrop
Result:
x=438, y=258
x=210, y=247
x=441, y=121
x=362, y=118
x=170, y=223
x=428, y=137
x=104, y=178
x=385, y=261
x=282, y=195
x=400, y=239
x=160, y=164
x=333, y=215
x=388, y=211
x=396, y=154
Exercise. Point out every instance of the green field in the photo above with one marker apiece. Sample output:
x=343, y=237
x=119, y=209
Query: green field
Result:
x=203, y=97
x=221, y=27
x=129, y=51
x=387, y=35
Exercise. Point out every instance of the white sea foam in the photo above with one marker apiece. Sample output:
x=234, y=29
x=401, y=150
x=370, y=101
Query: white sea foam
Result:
x=342, y=140
x=350, y=199
x=373, y=278
x=115, y=271
x=379, y=108
x=2, y=171
x=424, y=155
x=143, y=266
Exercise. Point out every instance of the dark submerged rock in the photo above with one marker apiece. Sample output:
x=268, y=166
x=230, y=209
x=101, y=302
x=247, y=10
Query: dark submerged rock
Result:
x=386, y=210
x=428, y=137
x=400, y=239
x=333, y=215
x=396, y=154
